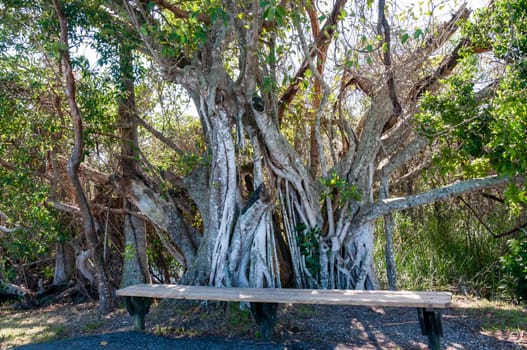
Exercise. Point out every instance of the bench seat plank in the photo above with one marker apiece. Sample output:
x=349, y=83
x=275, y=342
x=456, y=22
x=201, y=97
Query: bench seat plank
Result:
x=292, y=296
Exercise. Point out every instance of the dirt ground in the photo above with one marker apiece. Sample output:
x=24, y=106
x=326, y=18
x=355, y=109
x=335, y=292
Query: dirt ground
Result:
x=470, y=324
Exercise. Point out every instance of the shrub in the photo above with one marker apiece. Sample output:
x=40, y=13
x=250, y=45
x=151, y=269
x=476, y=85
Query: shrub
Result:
x=514, y=267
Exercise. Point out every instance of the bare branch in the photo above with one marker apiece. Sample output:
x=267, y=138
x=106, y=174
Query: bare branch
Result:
x=493, y=197
x=388, y=166
x=7, y=230
x=88, y=172
x=359, y=81
x=96, y=207
x=160, y=136
x=385, y=206
x=68, y=208
x=442, y=35
x=324, y=37
x=445, y=68
x=161, y=213
x=414, y=172
x=511, y=232
x=320, y=83
x=383, y=28
x=473, y=211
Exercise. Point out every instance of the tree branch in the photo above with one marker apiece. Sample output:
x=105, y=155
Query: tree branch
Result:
x=90, y=231
x=473, y=211
x=385, y=206
x=317, y=151
x=361, y=82
x=87, y=171
x=324, y=37
x=383, y=29
x=180, y=13
x=161, y=213
x=389, y=165
x=493, y=197
x=511, y=232
x=7, y=230
x=13, y=167
x=160, y=136
x=439, y=37
x=445, y=68
x=64, y=207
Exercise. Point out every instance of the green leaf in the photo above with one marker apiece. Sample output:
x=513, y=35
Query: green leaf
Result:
x=418, y=33
x=404, y=38
x=150, y=6
x=280, y=13
x=270, y=13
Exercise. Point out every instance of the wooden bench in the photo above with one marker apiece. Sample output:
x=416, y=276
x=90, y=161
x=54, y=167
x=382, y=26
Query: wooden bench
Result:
x=264, y=301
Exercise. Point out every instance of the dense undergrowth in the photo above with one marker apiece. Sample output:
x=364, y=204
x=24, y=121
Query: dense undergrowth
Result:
x=461, y=246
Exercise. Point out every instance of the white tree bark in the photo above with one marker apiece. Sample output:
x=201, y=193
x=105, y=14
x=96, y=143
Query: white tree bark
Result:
x=390, y=205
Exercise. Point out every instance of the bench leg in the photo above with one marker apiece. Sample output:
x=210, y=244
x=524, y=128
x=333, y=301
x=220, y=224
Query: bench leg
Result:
x=138, y=307
x=265, y=317
x=430, y=322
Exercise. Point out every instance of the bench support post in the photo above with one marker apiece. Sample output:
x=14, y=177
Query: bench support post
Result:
x=264, y=315
x=430, y=322
x=138, y=307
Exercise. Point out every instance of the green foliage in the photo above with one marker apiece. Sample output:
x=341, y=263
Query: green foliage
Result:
x=516, y=198
x=340, y=189
x=481, y=132
x=514, y=266
x=501, y=27
x=238, y=317
x=509, y=116
x=29, y=129
x=182, y=37
x=444, y=246
x=308, y=243
x=23, y=201
x=454, y=114
x=96, y=98
x=187, y=162
x=129, y=253
x=273, y=11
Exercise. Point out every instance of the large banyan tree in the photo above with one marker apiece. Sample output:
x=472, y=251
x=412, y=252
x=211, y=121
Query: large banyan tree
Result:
x=308, y=115
x=314, y=119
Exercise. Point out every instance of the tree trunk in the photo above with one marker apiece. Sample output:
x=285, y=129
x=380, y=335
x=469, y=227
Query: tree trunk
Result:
x=135, y=265
x=64, y=262
x=106, y=299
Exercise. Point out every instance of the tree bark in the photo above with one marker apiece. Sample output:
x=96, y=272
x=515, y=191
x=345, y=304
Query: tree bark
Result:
x=389, y=228
x=106, y=299
x=135, y=265
x=64, y=262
